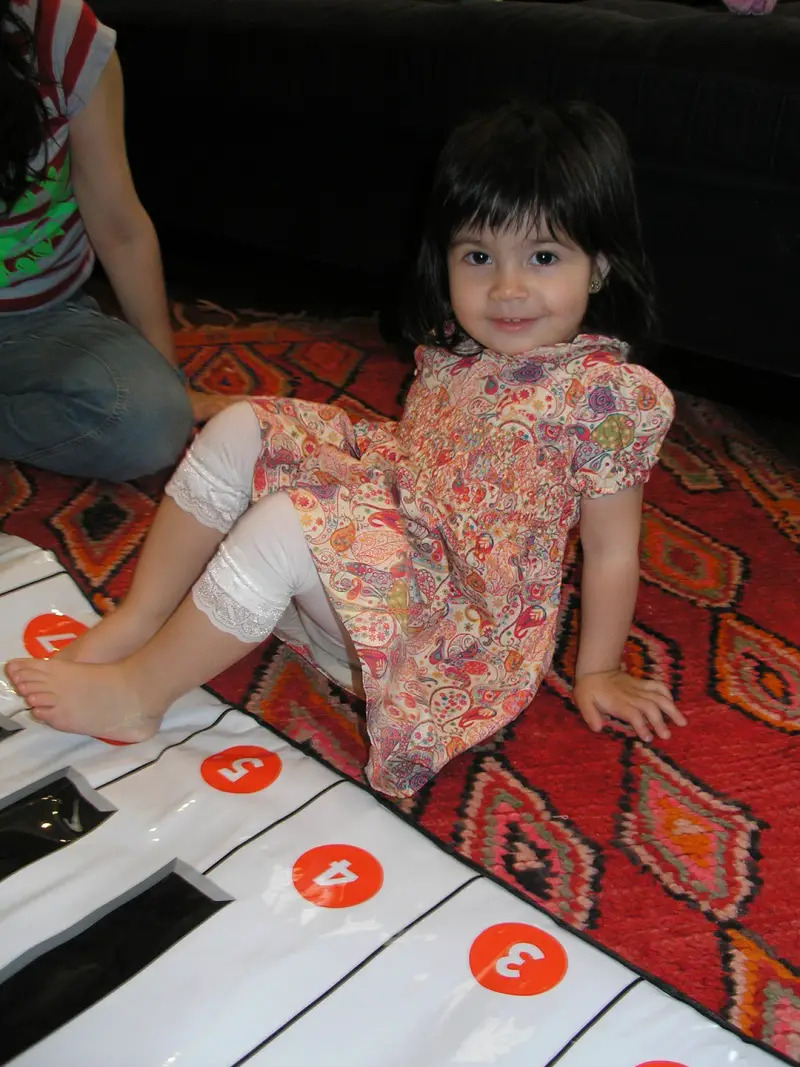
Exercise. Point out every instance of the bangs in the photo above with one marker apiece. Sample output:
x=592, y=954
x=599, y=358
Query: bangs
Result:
x=518, y=217
x=534, y=184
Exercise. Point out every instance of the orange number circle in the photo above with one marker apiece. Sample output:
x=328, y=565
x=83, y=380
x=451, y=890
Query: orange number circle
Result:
x=661, y=1063
x=241, y=769
x=517, y=959
x=47, y=634
x=337, y=876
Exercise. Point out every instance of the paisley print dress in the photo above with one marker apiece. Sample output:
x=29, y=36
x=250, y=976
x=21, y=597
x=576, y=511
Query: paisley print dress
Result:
x=440, y=538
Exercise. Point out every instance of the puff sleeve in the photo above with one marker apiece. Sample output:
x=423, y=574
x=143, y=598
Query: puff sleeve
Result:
x=620, y=416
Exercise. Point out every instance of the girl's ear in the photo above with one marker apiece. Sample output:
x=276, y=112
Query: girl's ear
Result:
x=601, y=265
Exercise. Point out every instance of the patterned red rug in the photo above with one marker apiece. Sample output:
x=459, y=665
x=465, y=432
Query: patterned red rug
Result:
x=682, y=857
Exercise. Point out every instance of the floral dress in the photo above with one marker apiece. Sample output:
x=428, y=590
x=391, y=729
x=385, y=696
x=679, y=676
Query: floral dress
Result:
x=440, y=538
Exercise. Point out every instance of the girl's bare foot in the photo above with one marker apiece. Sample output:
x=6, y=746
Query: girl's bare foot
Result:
x=115, y=637
x=103, y=700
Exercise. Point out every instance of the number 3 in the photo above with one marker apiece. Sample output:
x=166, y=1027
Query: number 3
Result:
x=509, y=966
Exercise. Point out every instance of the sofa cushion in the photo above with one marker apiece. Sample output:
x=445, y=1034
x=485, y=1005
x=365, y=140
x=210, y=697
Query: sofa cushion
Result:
x=312, y=127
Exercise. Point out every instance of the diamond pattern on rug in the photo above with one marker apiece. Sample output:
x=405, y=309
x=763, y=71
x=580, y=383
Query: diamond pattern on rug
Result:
x=234, y=370
x=329, y=360
x=756, y=672
x=507, y=826
x=655, y=851
x=770, y=483
x=685, y=561
x=15, y=489
x=701, y=847
x=693, y=472
x=764, y=992
x=101, y=526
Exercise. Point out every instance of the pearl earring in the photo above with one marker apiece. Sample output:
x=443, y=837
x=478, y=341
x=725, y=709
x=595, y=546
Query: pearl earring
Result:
x=595, y=286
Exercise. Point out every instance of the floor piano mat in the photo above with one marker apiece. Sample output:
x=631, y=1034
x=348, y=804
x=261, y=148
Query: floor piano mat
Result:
x=215, y=897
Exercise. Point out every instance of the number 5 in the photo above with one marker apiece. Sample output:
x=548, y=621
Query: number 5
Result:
x=238, y=769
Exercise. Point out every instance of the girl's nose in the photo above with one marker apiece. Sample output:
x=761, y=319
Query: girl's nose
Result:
x=508, y=284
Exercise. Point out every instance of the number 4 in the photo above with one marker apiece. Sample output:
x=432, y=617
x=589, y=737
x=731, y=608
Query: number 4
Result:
x=338, y=873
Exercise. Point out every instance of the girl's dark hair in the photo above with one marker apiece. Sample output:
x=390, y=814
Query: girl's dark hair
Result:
x=564, y=169
x=23, y=117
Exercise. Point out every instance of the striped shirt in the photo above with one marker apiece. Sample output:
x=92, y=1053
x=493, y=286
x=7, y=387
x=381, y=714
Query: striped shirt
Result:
x=45, y=254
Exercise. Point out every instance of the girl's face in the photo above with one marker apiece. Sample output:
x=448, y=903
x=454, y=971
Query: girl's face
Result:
x=513, y=291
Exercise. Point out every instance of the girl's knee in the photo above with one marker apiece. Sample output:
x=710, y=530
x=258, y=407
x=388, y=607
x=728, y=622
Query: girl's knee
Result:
x=233, y=427
x=272, y=519
x=270, y=535
x=269, y=544
x=237, y=417
x=230, y=443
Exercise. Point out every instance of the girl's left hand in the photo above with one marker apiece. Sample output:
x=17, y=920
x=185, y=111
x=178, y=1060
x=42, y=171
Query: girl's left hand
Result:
x=206, y=405
x=645, y=705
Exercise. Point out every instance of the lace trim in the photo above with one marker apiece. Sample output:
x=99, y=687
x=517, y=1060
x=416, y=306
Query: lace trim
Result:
x=233, y=604
x=203, y=495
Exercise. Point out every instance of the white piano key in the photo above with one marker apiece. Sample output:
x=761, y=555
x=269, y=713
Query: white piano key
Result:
x=419, y=1001
x=648, y=1027
x=22, y=562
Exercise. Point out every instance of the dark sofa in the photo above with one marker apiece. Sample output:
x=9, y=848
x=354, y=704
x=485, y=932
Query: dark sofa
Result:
x=307, y=129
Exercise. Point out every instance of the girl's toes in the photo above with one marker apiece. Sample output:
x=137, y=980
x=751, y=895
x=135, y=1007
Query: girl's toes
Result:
x=41, y=700
x=13, y=666
x=41, y=715
x=25, y=684
x=22, y=674
x=32, y=678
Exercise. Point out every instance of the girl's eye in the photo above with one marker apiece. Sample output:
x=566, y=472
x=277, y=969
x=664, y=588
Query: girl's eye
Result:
x=477, y=259
x=544, y=259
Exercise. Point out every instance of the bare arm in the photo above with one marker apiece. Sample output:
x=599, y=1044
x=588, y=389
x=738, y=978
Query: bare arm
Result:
x=118, y=226
x=610, y=542
x=610, y=528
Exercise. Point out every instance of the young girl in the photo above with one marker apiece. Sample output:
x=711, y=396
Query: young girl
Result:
x=422, y=560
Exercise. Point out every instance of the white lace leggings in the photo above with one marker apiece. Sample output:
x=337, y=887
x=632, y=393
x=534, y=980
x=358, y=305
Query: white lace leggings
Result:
x=264, y=562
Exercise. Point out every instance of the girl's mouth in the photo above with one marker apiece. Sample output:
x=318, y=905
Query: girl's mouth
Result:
x=511, y=325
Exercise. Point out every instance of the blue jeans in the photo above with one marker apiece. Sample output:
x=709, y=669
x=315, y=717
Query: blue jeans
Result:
x=84, y=394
